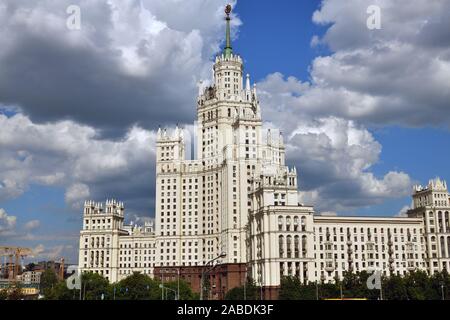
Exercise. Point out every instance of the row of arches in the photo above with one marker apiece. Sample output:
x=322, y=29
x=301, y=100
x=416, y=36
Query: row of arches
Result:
x=97, y=258
x=443, y=220
x=444, y=245
x=292, y=246
x=291, y=224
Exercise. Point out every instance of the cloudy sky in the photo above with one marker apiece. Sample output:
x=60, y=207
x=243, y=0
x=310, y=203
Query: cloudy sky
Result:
x=365, y=112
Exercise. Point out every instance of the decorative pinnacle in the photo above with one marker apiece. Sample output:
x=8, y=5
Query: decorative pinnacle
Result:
x=228, y=50
x=228, y=9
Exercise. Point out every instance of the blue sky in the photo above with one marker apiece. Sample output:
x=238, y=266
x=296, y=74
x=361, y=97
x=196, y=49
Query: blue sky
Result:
x=276, y=37
x=360, y=137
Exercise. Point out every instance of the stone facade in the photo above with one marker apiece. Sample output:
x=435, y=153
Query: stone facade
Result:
x=237, y=204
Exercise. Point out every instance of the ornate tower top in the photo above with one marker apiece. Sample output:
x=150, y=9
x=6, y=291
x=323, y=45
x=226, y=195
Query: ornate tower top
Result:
x=228, y=49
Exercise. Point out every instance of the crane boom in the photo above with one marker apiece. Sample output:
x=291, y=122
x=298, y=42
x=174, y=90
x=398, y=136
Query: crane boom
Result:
x=17, y=253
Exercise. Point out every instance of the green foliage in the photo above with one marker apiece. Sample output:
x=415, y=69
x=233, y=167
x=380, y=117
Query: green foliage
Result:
x=395, y=289
x=419, y=286
x=248, y=292
x=136, y=287
x=14, y=292
x=61, y=292
x=416, y=285
x=185, y=290
x=48, y=281
x=293, y=289
x=93, y=286
x=3, y=294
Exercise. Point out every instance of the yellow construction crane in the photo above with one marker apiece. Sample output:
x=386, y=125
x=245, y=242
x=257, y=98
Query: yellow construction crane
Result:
x=16, y=253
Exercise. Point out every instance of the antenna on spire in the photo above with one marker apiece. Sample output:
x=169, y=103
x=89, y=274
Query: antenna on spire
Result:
x=228, y=50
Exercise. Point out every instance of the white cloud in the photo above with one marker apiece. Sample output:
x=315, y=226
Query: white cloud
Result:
x=334, y=157
x=132, y=62
x=72, y=156
x=397, y=75
x=328, y=213
x=54, y=252
x=402, y=212
x=32, y=224
x=7, y=223
x=76, y=194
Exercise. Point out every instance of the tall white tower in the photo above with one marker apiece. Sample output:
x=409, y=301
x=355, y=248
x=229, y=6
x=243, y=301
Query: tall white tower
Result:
x=206, y=202
x=229, y=140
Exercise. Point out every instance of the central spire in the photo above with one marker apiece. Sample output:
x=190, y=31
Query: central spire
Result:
x=228, y=49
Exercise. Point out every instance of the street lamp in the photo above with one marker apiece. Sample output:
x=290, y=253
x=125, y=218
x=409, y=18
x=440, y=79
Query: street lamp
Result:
x=167, y=288
x=222, y=255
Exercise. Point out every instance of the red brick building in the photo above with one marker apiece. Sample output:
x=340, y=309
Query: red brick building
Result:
x=222, y=278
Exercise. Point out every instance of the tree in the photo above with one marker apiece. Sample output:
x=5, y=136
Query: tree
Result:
x=3, y=294
x=61, y=292
x=249, y=292
x=418, y=285
x=394, y=288
x=329, y=291
x=289, y=288
x=48, y=281
x=185, y=290
x=136, y=287
x=440, y=282
x=15, y=292
x=93, y=286
x=350, y=284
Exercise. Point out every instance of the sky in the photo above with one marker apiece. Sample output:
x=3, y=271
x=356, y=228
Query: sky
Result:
x=365, y=113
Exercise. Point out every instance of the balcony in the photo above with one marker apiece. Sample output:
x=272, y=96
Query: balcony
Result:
x=329, y=266
x=370, y=247
x=411, y=267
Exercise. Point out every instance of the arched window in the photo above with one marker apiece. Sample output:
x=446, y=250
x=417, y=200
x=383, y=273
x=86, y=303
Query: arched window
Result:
x=448, y=247
x=443, y=247
x=303, y=222
x=281, y=246
x=304, y=246
x=297, y=246
x=280, y=223
x=288, y=224
x=296, y=223
x=289, y=246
